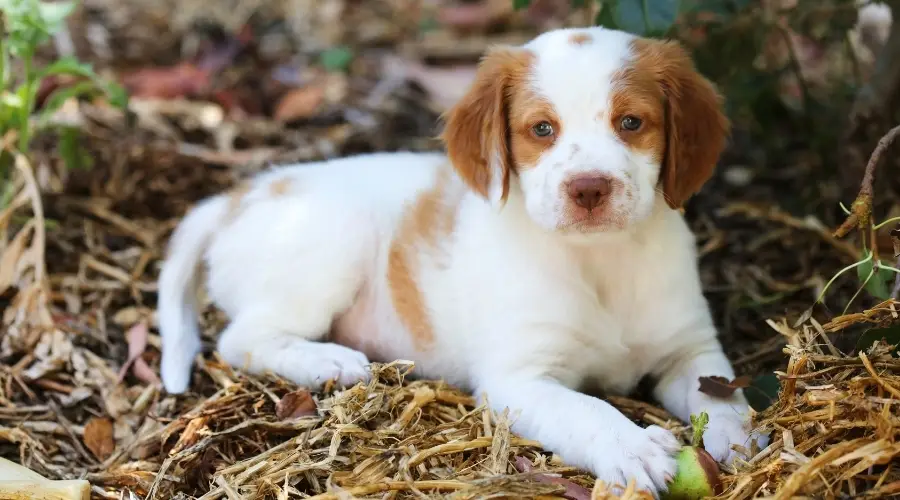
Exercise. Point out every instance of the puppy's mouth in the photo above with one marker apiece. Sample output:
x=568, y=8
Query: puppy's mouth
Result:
x=596, y=221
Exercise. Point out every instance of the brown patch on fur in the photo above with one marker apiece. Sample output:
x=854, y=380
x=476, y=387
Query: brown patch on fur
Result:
x=683, y=119
x=580, y=38
x=638, y=94
x=428, y=221
x=527, y=110
x=477, y=127
x=280, y=187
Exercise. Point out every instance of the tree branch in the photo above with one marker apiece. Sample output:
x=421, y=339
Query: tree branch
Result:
x=861, y=210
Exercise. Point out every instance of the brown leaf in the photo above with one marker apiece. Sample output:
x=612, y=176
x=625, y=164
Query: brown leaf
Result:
x=295, y=404
x=182, y=80
x=895, y=240
x=300, y=103
x=98, y=437
x=720, y=387
x=136, y=337
x=192, y=433
x=574, y=491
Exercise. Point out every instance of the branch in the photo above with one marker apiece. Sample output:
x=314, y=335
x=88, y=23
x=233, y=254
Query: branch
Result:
x=861, y=210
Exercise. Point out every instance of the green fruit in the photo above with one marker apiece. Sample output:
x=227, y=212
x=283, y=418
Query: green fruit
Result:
x=697, y=476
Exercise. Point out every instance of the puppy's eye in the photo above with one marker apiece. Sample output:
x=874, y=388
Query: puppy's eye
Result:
x=631, y=123
x=542, y=129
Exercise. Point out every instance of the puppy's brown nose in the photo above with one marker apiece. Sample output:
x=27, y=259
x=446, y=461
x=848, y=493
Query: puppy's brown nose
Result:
x=588, y=192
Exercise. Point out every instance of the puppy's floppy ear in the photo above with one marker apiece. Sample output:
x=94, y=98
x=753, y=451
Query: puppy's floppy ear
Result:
x=476, y=133
x=696, y=126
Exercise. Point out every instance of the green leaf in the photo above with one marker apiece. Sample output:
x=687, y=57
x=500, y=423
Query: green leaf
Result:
x=605, y=17
x=336, y=59
x=699, y=423
x=60, y=96
x=115, y=93
x=70, y=150
x=521, y=4
x=68, y=66
x=724, y=8
x=890, y=335
x=763, y=391
x=644, y=17
x=11, y=100
x=54, y=13
x=881, y=282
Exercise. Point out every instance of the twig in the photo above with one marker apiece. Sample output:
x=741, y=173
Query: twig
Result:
x=883, y=383
x=861, y=210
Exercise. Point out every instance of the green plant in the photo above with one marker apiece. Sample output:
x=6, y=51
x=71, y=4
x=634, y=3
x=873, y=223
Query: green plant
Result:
x=875, y=275
x=649, y=17
x=28, y=24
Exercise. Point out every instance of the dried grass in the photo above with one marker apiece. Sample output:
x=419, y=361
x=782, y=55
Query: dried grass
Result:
x=79, y=255
x=836, y=424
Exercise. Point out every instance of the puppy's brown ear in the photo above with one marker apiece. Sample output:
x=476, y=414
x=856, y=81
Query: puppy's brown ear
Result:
x=696, y=126
x=476, y=132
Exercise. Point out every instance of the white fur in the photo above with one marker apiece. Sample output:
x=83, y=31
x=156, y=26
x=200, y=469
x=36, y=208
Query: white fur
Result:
x=522, y=312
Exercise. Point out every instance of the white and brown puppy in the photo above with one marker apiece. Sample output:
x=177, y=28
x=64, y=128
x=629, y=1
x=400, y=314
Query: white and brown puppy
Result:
x=542, y=255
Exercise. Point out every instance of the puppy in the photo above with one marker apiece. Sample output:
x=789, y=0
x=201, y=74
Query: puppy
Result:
x=542, y=255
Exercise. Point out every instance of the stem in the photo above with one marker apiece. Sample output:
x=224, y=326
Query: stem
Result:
x=644, y=9
x=842, y=271
x=884, y=223
x=25, y=131
x=3, y=66
x=888, y=268
x=859, y=290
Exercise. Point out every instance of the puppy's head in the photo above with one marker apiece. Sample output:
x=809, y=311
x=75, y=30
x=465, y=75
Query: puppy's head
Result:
x=591, y=125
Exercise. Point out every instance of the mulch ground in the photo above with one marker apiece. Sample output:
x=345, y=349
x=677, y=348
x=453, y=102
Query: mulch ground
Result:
x=218, y=96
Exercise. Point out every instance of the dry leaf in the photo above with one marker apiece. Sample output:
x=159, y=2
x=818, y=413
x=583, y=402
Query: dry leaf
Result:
x=182, y=80
x=137, y=344
x=98, y=437
x=720, y=387
x=300, y=103
x=295, y=404
x=574, y=491
x=192, y=433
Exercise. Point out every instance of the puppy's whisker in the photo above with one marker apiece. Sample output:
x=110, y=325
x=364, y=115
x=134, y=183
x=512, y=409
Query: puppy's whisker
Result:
x=664, y=195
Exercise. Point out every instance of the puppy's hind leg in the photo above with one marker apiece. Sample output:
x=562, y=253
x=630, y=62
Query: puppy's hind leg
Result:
x=284, y=302
x=252, y=343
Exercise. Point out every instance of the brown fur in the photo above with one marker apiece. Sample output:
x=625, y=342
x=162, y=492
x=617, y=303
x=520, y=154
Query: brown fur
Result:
x=477, y=127
x=695, y=127
x=428, y=221
x=637, y=93
x=280, y=187
x=580, y=38
x=526, y=111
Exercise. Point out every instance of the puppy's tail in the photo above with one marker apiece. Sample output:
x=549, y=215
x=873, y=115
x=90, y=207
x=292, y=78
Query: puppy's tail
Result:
x=178, y=287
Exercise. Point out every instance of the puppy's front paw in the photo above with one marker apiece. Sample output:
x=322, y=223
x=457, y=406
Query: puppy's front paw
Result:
x=646, y=456
x=726, y=430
